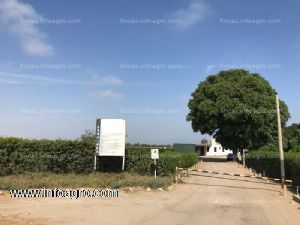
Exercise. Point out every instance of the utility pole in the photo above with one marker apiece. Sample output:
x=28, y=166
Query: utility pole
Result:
x=283, y=187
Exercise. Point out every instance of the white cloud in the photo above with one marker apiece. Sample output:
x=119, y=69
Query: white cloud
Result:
x=15, y=15
x=38, y=79
x=35, y=79
x=5, y=81
x=110, y=80
x=194, y=13
x=106, y=95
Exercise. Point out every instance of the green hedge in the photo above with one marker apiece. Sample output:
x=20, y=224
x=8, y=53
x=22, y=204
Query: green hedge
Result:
x=61, y=156
x=64, y=156
x=269, y=162
x=139, y=160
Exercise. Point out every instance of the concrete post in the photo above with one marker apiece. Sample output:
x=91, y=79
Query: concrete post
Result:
x=283, y=187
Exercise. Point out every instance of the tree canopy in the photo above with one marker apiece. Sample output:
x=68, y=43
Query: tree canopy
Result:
x=237, y=108
x=292, y=137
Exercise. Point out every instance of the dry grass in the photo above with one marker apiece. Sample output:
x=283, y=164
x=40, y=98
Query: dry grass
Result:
x=92, y=180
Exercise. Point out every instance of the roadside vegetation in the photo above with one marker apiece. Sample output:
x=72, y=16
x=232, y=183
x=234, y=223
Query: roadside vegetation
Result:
x=266, y=159
x=66, y=156
x=268, y=162
x=28, y=163
x=92, y=180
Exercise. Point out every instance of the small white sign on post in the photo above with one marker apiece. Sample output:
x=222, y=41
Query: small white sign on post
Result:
x=154, y=153
x=154, y=156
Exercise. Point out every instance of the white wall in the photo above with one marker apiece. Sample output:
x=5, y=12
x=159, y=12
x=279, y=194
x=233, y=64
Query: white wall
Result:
x=219, y=149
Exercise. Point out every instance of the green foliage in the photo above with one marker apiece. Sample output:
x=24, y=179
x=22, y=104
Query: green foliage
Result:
x=91, y=180
x=236, y=107
x=269, y=162
x=65, y=156
x=156, y=183
x=291, y=140
x=89, y=137
x=292, y=136
x=60, y=156
x=292, y=131
x=139, y=160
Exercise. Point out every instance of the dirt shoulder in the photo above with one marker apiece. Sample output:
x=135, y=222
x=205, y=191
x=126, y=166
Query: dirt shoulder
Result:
x=204, y=199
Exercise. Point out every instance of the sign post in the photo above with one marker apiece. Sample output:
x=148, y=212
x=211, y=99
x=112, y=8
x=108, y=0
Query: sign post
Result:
x=154, y=156
x=95, y=163
x=123, y=163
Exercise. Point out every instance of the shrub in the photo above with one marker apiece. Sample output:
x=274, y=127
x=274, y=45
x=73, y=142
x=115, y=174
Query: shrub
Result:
x=139, y=160
x=269, y=162
x=65, y=156
x=60, y=156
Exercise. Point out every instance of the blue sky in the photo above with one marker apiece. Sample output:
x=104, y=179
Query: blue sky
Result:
x=64, y=63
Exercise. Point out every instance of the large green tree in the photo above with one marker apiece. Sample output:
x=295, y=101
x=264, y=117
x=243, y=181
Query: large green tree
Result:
x=237, y=108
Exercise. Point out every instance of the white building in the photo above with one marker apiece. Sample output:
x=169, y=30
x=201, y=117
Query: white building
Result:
x=211, y=148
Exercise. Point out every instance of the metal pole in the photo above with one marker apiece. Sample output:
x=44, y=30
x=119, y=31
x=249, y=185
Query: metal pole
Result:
x=123, y=164
x=155, y=168
x=95, y=163
x=280, y=146
x=244, y=158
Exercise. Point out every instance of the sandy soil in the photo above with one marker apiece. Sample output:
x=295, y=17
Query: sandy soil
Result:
x=204, y=199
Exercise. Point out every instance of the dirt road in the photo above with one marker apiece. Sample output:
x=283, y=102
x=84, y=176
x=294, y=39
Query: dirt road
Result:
x=204, y=199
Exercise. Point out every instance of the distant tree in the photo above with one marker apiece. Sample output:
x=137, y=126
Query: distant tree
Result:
x=292, y=131
x=89, y=136
x=236, y=107
x=292, y=137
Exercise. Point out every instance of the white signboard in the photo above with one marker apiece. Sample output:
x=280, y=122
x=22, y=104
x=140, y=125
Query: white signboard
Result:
x=154, y=154
x=110, y=137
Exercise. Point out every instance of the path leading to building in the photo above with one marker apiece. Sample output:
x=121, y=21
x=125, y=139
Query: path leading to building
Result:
x=204, y=199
